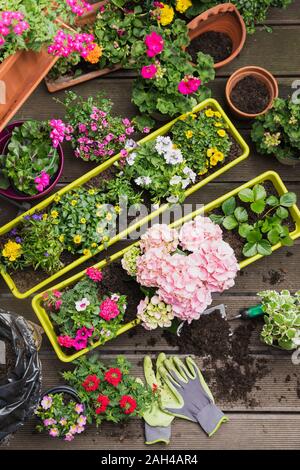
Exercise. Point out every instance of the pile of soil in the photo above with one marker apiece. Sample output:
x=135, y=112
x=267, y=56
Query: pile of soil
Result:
x=237, y=242
x=10, y=360
x=250, y=95
x=230, y=370
x=218, y=45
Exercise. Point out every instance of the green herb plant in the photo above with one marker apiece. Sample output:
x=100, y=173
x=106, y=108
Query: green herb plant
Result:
x=282, y=319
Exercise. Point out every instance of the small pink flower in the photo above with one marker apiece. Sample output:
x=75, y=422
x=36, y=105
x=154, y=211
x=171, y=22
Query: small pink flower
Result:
x=57, y=293
x=84, y=333
x=109, y=310
x=49, y=422
x=124, y=153
x=46, y=402
x=148, y=71
x=79, y=343
x=53, y=432
x=154, y=43
x=65, y=341
x=146, y=130
x=79, y=408
x=58, y=304
x=69, y=437
x=94, y=274
x=189, y=85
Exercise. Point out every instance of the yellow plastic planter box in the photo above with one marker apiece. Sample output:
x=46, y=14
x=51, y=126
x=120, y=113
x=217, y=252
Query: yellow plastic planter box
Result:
x=95, y=172
x=38, y=300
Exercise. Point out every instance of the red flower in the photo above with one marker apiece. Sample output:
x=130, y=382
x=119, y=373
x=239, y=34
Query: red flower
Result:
x=104, y=401
x=113, y=376
x=128, y=404
x=154, y=388
x=91, y=383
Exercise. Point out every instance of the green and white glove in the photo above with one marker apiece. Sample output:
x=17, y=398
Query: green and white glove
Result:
x=157, y=421
x=193, y=398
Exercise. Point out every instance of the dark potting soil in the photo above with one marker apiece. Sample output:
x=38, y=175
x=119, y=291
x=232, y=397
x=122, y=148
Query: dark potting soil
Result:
x=229, y=369
x=10, y=360
x=250, y=95
x=218, y=45
x=236, y=241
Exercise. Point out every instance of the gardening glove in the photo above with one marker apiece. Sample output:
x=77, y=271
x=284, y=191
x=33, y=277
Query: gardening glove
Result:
x=194, y=400
x=157, y=421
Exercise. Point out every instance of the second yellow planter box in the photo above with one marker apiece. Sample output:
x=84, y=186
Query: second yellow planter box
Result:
x=38, y=300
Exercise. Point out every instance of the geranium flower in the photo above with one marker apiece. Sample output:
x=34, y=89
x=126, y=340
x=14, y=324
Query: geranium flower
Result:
x=109, y=309
x=154, y=43
x=128, y=404
x=94, y=274
x=113, y=376
x=91, y=383
x=104, y=402
x=189, y=85
x=148, y=71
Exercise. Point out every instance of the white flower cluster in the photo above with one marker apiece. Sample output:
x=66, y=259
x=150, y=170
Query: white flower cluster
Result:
x=143, y=181
x=164, y=147
x=185, y=182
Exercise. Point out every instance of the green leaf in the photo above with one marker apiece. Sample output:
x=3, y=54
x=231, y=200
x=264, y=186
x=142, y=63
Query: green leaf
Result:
x=230, y=222
x=217, y=219
x=288, y=199
x=244, y=230
x=241, y=214
x=229, y=206
x=272, y=201
x=264, y=248
x=274, y=236
x=254, y=236
x=246, y=195
x=250, y=249
x=4, y=182
x=287, y=241
x=259, y=192
x=282, y=213
x=259, y=206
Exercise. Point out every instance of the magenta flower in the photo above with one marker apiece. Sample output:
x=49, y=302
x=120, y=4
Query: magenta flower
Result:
x=65, y=341
x=84, y=333
x=79, y=7
x=148, y=71
x=154, y=43
x=94, y=274
x=189, y=85
x=79, y=343
x=109, y=310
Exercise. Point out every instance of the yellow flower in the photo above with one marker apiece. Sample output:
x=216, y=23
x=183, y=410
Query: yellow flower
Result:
x=54, y=214
x=218, y=124
x=98, y=205
x=193, y=115
x=203, y=172
x=12, y=250
x=222, y=133
x=166, y=15
x=73, y=202
x=94, y=55
x=218, y=114
x=57, y=198
x=220, y=156
x=209, y=113
x=83, y=220
x=94, y=245
x=92, y=192
x=118, y=209
x=87, y=252
x=183, y=5
x=108, y=216
x=61, y=238
x=77, y=239
x=214, y=160
x=210, y=152
x=105, y=238
x=189, y=134
x=45, y=216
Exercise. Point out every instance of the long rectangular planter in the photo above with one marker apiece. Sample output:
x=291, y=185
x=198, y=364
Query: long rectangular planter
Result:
x=43, y=316
x=20, y=74
x=97, y=171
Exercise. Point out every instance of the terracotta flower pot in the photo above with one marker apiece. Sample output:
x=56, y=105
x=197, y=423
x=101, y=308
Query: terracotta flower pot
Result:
x=223, y=18
x=20, y=74
x=65, y=82
x=13, y=193
x=260, y=74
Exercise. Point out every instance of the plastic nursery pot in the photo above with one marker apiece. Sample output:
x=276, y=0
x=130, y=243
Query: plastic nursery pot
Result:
x=65, y=389
x=224, y=18
x=66, y=82
x=260, y=74
x=289, y=161
x=97, y=171
x=45, y=320
x=12, y=192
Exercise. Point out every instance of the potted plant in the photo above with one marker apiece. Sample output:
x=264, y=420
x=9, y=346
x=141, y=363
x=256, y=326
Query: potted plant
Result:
x=26, y=29
x=32, y=159
x=61, y=414
x=277, y=132
x=219, y=32
x=251, y=91
x=282, y=319
x=109, y=393
x=114, y=192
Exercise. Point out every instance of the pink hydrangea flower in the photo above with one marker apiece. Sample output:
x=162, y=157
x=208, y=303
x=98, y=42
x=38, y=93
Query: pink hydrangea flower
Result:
x=160, y=236
x=94, y=274
x=109, y=309
x=189, y=85
x=192, y=234
x=148, y=71
x=154, y=43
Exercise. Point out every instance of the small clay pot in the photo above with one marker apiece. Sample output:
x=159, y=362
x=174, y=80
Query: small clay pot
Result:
x=260, y=74
x=224, y=18
x=13, y=193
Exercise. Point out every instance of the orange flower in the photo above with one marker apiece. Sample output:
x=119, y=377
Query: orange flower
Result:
x=94, y=55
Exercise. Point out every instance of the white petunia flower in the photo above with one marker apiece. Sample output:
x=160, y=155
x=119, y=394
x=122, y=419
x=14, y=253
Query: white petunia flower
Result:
x=185, y=183
x=190, y=173
x=172, y=199
x=143, y=181
x=81, y=305
x=131, y=159
x=173, y=157
x=163, y=144
x=175, y=180
x=115, y=297
x=130, y=144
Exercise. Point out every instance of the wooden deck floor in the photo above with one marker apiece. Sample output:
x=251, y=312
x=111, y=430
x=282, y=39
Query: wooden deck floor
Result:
x=270, y=417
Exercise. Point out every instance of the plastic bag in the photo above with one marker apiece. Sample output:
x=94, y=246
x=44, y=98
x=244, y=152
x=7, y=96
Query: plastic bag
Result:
x=20, y=390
